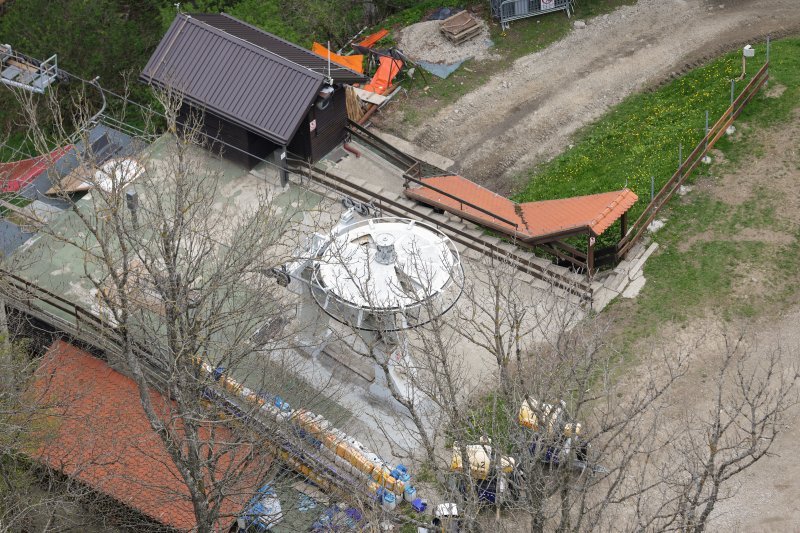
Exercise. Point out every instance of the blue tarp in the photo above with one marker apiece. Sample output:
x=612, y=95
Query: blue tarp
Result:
x=441, y=71
x=443, y=13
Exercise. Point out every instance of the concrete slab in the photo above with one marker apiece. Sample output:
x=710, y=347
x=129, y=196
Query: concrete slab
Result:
x=415, y=151
x=370, y=167
x=635, y=286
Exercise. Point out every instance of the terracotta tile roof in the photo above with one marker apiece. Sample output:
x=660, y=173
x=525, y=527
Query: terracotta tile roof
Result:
x=595, y=212
x=101, y=437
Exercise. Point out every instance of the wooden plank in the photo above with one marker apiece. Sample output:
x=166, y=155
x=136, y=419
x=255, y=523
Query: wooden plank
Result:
x=78, y=180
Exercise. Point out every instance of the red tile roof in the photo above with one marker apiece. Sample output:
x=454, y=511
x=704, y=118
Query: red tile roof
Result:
x=17, y=174
x=101, y=437
x=595, y=212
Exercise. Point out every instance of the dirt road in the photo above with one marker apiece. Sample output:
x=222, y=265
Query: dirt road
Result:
x=766, y=497
x=529, y=113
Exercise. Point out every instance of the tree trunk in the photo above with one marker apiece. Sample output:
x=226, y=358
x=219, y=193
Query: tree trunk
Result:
x=370, y=12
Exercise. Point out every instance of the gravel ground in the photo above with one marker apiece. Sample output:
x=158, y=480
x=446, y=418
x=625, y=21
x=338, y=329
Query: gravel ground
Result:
x=765, y=497
x=528, y=114
x=425, y=42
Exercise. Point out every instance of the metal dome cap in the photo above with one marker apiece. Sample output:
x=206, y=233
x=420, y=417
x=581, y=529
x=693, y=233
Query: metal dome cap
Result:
x=387, y=274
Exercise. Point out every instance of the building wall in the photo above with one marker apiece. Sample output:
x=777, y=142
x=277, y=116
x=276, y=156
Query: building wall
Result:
x=330, y=125
x=229, y=140
x=307, y=144
x=328, y=129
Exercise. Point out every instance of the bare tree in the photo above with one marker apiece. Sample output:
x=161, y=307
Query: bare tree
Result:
x=176, y=267
x=730, y=428
x=565, y=436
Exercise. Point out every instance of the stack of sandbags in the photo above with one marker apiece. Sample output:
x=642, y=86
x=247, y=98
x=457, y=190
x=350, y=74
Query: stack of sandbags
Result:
x=460, y=27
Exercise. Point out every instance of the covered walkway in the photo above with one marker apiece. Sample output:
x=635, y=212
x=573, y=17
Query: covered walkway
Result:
x=535, y=223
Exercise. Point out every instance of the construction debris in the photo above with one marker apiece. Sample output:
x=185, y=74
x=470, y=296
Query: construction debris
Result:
x=460, y=27
x=425, y=41
x=354, y=110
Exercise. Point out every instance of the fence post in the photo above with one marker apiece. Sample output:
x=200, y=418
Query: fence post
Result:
x=680, y=160
x=652, y=187
x=706, y=136
x=766, y=82
x=733, y=83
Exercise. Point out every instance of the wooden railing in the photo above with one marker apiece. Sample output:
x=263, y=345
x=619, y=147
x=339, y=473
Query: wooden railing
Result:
x=75, y=320
x=687, y=167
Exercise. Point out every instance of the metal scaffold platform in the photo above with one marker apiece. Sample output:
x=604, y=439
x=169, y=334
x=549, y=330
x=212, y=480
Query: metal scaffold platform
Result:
x=21, y=71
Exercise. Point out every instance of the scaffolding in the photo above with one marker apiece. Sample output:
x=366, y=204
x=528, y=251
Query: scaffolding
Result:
x=23, y=72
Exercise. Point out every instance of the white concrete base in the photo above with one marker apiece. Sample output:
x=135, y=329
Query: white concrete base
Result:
x=626, y=280
x=634, y=287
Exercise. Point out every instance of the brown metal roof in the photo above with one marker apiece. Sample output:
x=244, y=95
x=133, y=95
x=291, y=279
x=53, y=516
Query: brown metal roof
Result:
x=232, y=78
x=285, y=49
x=535, y=221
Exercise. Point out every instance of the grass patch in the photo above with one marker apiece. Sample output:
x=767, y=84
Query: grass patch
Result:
x=703, y=265
x=640, y=138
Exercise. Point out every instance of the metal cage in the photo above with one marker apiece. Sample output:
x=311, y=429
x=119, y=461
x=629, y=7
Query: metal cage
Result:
x=508, y=10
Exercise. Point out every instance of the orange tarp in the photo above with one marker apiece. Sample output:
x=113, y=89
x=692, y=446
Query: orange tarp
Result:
x=595, y=212
x=382, y=80
x=370, y=41
x=355, y=62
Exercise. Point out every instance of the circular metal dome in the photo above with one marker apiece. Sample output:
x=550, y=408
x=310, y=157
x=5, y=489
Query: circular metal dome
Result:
x=387, y=274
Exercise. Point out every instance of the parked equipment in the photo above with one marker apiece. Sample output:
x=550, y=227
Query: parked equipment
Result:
x=23, y=72
x=445, y=518
x=554, y=436
x=263, y=512
x=493, y=474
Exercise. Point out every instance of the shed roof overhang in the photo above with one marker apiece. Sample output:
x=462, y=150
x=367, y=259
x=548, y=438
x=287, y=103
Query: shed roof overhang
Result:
x=535, y=222
x=233, y=79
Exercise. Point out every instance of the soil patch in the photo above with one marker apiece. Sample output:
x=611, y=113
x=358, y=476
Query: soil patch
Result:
x=775, y=91
x=764, y=235
x=763, y=498
x=777, y=173
x=424, y=41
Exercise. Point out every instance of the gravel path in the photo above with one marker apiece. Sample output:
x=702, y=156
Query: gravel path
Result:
x=528, y=114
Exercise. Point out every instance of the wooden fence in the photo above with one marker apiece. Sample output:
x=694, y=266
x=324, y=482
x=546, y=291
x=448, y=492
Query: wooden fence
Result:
x=637, y=230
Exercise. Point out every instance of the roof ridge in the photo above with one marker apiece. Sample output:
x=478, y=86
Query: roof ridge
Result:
x=290, y=43
x=609, y=207
x=281, y=58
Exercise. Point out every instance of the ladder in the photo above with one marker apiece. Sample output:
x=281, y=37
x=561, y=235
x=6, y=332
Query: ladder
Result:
x=18, y=70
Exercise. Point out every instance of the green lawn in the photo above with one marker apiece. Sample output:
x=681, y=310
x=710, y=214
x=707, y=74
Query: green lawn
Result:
x=640, y=138
x=701, y=261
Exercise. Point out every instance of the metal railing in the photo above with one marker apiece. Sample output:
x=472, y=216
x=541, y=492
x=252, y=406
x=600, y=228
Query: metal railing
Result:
x=508, y=10
x=415, y=170
x=79, y=323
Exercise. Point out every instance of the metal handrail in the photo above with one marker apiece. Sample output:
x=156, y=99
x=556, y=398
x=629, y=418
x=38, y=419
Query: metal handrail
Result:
x=412, y=162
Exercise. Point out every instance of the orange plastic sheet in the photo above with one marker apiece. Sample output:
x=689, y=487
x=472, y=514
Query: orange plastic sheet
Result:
x=370, y=41
x=355, y=62
x=382, y=80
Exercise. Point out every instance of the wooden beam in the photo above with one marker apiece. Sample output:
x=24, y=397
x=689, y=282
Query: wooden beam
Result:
x=623, y=225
